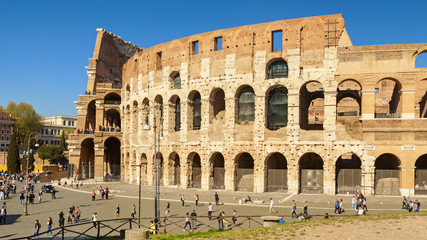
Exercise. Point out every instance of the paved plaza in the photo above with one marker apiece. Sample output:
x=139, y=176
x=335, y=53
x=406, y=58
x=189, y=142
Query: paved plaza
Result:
x=125, y=195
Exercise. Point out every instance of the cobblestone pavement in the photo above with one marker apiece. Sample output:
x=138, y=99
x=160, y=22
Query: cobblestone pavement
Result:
x=125, y=195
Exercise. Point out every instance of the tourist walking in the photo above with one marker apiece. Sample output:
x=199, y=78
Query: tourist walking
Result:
x=197, y=199
x=94, y=218
x=69, y=216
x=341, y=206
x=117, y=212
x=337, y=206
x=78, y=213
x=210, y=208
x=187, y=221
x=22, y=198
x=93, y=195
x=3, y=215
x=36, y=229
x=294, y=209
x=107, y=191
x=220, y=220
x=133, y=211
x=168, y=209
x=271, y=209
x=234, y=218
x=40, y=195
x=182, y=199
x=61, y=219
x=216, y=199
x=194, y=218
x=49, y=226
x=305, y=209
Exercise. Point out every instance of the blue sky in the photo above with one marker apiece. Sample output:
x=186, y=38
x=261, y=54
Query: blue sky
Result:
x=45, y=45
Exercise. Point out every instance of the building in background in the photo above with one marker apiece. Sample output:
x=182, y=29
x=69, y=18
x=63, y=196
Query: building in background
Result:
x=6, y=123
x=52, y=128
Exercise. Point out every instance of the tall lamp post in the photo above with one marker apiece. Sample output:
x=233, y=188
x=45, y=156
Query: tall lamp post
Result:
x=37, y=136
x=156, y=168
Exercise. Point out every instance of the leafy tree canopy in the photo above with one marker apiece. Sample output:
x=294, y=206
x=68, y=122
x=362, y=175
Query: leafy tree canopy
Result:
x=50, y=152
x=27, y=120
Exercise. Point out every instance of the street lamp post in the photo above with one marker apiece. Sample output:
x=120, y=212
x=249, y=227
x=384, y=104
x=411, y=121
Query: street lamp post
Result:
x=156, y=168
x=35, y=135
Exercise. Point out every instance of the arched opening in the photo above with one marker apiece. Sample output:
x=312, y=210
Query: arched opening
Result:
x=112, y=159
x=194, y=170
x=277, y=108
x=87, y=159
x=135, y=122
x=112, y=99
x=144, y=174
x=421, y=60
x=127, y=117
x=246, y=104
x=277, y=173
x=175, y=113
x=159, y=159
x=311, y=173
x=388, y=99
x=348, y=100
x=91, y=116
x=348, y=174
x=158, y=104
x=311, y=106
x=218, y=171
x=244, y=172
x=112, y=120
x=277, y=68
x=174, y=169
x=387, y=175
x=421, y=175
x=176, y=80
x=421, y=99
x=217, y=105
x=194, y=110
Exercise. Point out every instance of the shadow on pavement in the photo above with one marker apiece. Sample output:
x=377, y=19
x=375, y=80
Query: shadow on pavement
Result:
x=11, y=219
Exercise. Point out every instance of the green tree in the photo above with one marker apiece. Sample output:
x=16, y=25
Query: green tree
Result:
x=26, y=120
x=62, y=142
x=13, y=162
x=50, y=152
x=30, y=163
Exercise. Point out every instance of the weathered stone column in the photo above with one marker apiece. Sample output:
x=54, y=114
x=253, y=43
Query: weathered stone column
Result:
x=230, y=172
x=329, y=177
x=99, y=161
x=368, y=175
x=408, y=100
x=206, y=170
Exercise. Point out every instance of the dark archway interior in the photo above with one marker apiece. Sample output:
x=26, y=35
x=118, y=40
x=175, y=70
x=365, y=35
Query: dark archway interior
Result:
x=112, y=156
x=218, y=161
x=311, y=106
x=421, y=162
x=87, y=159
x=91, y=116
x=348, y=161
x=387, y=161
x=277, y=161
x=112, y=118
x=311, y=161
x=113, y=98
x=218, y=102
x=245, y=160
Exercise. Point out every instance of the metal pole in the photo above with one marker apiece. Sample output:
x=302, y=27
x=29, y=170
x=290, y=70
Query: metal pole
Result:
x=156, y=171
x=37, y=135
x=139, y=198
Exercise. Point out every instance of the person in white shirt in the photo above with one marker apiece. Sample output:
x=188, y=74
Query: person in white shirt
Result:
x=360, y=212
x=271, y=207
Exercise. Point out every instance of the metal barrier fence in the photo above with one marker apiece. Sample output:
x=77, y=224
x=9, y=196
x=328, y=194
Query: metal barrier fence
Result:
x=311, y=181
x=387, y=182
x=196, y=178
x=277, y=180
x=173, y=224
x=86, y=172
x=349, y=181
x=244, y=179
x=420, y=181
x=218, y=178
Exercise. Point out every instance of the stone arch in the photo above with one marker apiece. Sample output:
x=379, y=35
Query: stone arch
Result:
x=217, y=174
x=311, y=173
x=348, y=174
x=112, y=119
x=87, y=159
x=276, y=105
x=388, y=98
x=112, y=148
x=244, y=163
x=349, y=99
x=158, y=104
x=311, y=106
x=194, y=112
x=420, y=186
x=217, y=105
x=276, y=172
x=421, y=99
x=194, y=170
x=387, y=174
x=174, y=167
x=112, y=98
x=144, y=163
x=277, y=68
x=245, y=103
x=175, y=113
x=91, y=116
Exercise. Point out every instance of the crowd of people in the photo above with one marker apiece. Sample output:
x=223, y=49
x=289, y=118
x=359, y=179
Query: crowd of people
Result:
x=85, y=131
x=109, y=128
x=411, y=206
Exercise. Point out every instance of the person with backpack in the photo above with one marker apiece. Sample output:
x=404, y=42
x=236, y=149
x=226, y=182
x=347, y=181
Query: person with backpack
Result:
x=49, y=226
x=78, y=213
x=187, y=221
x=61, y=219
x=94, y=219
x=37, y=227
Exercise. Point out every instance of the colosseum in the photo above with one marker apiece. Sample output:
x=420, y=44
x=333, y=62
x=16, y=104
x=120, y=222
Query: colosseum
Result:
x=286, y=106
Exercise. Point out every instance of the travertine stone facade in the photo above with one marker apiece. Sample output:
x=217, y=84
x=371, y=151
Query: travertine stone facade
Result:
x=310, y=113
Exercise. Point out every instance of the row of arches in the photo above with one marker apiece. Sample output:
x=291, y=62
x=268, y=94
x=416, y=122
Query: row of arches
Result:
x=348, y=172
x=311, y=99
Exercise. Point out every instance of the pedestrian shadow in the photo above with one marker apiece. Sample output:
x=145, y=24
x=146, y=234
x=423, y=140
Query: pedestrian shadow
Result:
x=11, y=219
x=6, y=236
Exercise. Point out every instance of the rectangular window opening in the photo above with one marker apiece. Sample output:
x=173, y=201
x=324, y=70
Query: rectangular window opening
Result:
x=218, y=44
x=277, y=43
x=159, y=61
x=376, y=90
x=195, y=47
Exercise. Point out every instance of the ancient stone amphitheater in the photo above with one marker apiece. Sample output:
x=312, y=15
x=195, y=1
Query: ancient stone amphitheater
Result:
x=287, y=106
